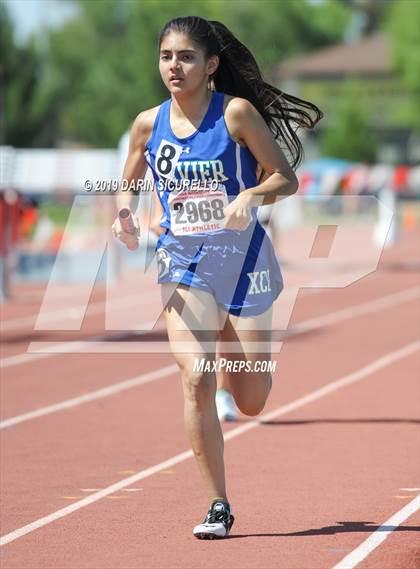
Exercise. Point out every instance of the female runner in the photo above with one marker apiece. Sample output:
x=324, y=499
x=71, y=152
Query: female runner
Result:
x=217, y=267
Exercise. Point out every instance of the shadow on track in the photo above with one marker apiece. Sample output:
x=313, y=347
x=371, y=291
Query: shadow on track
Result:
x=378, y=420
x=342, y=527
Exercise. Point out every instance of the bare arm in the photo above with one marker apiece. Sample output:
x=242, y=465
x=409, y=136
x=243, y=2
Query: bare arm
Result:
x=279, y=181
x=135, y=165
x=134, y=171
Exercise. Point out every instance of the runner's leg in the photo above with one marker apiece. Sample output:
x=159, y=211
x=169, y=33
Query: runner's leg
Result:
x=189, y=308
x=250, y=389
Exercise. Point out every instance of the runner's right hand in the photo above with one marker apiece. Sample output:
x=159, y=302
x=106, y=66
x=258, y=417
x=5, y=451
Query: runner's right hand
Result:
x=127, y=238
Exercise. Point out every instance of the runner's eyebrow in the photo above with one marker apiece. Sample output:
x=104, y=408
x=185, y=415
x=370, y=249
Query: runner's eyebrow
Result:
x=180, y=51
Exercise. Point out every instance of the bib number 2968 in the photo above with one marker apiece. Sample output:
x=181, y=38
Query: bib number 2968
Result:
x=204, y=211
x=197, y=211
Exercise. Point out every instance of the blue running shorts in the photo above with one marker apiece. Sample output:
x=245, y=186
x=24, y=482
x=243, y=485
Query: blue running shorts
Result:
x=239, y=268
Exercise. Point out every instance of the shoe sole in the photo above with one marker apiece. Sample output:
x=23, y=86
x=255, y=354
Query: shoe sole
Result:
x=203, y=535
x=209, y=535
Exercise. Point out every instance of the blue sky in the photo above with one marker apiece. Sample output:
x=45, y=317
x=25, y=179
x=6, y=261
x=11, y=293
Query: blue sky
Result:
x=32, y=15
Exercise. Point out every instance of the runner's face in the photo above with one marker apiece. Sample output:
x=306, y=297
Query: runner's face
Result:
x=182, y=64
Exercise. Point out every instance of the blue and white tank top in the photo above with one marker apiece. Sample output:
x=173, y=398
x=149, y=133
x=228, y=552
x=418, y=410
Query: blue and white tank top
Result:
x=196, y=176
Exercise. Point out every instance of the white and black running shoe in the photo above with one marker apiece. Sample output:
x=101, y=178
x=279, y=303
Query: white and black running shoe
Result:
x=218, y=522
x=225, y=405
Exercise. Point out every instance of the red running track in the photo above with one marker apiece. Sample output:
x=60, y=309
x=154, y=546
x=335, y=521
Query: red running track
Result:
x=309, y=484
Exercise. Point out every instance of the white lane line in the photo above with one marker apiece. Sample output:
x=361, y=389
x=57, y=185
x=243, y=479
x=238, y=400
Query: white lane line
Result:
x=75, y=312
x=92, y=396
x=87, y=344
x=358, y=310
x=37, y=347
x=399, y=297
x=377, y=537
x=60, y=347
x=95, y=307
x=54, y=348
x=351, y=377
x=181, y=457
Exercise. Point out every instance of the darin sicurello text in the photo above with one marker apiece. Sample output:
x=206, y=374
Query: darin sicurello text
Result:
x=145, y=186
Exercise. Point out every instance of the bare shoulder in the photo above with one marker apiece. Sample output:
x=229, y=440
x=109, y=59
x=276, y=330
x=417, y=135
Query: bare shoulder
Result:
x=237, y=107
x=143, y=125
x=234, y=110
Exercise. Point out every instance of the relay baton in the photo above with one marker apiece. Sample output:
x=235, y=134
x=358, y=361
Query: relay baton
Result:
x=127, y=225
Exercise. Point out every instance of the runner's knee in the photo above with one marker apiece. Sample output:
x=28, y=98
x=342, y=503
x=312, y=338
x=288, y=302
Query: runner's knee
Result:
x=198, y=386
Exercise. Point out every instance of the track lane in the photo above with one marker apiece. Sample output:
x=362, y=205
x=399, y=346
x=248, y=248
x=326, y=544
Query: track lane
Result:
x=75, y=371
x=329, y=458
x=72, y=423
x=110, y=538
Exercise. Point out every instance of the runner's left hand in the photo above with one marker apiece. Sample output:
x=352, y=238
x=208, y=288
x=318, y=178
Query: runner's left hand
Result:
x=238, y=213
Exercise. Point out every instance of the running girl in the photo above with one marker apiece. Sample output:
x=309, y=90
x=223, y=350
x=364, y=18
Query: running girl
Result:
x=217, y=268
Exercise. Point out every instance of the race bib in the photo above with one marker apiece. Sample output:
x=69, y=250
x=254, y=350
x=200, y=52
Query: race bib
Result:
x=197, y=211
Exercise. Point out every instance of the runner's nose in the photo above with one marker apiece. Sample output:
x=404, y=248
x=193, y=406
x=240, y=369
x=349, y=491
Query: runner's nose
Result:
x=175, y=66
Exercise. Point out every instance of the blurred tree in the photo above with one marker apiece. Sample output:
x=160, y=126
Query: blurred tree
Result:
x=403, y=29
x=101, y=68
x=367, y=17
x=275, y=30
x=21, y=118
x=350, y=136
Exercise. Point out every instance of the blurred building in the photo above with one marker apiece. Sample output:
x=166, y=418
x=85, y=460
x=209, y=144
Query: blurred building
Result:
x=320, y=77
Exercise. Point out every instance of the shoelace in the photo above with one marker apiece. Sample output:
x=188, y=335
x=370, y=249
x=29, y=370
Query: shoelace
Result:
x=215, y=516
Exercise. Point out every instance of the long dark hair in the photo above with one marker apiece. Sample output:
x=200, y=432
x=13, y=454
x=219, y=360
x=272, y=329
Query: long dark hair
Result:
x=238, y=74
